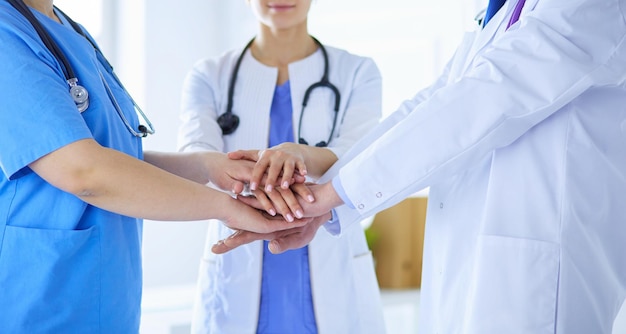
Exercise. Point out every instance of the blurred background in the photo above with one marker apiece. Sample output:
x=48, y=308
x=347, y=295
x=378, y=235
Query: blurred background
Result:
x=153, y=44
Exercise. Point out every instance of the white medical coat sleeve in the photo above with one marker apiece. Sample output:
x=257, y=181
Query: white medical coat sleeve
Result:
x=199, y=130
x=385, y=124
x=344, y=213
x=523, y=77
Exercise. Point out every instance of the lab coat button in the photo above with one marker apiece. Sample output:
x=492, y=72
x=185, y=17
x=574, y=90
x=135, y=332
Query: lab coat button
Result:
x=379, y=195
x=361, y=206
x=441, y=205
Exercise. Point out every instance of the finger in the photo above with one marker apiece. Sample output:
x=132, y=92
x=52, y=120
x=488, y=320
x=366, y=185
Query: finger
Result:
x=237, y=239
x=301, y=167
x=258, y=173
x=297, y=178
x=279, y=225
x=251, y=201
x=274, y=168
x=288, y=172
x=292, y=202
x=265, y=202
x=251, y=155
x=238, y=187
x=303, y=191
x=279, y=203
x=285, y=243
x=296, y=238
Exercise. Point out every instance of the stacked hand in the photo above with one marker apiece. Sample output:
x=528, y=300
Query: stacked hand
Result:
x=277, y=183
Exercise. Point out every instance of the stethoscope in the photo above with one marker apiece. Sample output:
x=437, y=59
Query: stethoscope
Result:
x=229, y=122
x=79, y=93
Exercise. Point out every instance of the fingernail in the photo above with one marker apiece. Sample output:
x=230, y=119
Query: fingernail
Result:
x=311, y=198
x=272, y=212
x=253, y=186
x=289, y=218
x=268, y=188
x=285, y=185
x=273, y=247
x=219, y=242
x=299, y=214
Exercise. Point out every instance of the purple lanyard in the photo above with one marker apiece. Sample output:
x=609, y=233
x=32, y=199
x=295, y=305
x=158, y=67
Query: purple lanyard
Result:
x=516, y=12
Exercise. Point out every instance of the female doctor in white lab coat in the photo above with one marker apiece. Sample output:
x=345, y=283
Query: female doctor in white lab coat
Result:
x=523, y=144
x=284, y=59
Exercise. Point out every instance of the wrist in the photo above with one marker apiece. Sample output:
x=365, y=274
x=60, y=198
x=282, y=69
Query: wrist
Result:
x=209, y=162
x=223, y=206
x=330, y=195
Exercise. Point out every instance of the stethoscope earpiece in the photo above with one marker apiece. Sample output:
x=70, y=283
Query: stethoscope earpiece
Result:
x=228, y=122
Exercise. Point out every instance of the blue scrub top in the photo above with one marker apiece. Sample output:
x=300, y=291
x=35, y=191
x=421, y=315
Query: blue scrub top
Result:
x=65, y=266
x=286, y=302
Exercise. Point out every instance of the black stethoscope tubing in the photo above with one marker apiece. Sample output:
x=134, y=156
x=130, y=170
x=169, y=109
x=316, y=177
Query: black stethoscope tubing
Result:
x=79, y=93
x=229, y=122
x=47, y=40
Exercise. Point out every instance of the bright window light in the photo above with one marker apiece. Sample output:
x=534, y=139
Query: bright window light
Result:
x=88, y=13
x=410, y=40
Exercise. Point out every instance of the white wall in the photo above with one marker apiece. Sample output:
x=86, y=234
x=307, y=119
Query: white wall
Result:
x=160, y=44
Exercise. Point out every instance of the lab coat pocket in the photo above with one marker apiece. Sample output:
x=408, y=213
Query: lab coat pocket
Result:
x=204, y=297
x=50, y=280
x=367, y=294
x=514, y=287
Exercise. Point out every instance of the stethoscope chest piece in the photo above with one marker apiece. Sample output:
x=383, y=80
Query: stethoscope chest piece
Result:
x=79, y=95
x=228, y=122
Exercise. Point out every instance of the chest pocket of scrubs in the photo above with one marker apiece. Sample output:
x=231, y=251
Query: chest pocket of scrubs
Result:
x=49, y=281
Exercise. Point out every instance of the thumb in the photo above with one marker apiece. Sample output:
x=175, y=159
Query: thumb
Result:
x=252, y=155
x=275, y=246
x=237, y=187
x=287, y=242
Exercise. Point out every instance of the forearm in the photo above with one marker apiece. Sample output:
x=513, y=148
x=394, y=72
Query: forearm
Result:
x=119, y=183
x=317, y=159
x=189, y=165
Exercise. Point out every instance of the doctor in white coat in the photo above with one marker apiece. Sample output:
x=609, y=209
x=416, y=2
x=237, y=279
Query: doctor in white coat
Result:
x=280, y=64
x=523, y=143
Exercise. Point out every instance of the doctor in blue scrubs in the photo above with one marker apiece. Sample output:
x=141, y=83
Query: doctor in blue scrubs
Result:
x=75, y=184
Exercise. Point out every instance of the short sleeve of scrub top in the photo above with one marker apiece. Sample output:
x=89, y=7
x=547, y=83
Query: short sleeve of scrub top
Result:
x=32, y=124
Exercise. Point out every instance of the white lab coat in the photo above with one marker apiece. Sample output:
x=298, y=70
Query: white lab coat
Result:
x=523, y=143
x=343, y=282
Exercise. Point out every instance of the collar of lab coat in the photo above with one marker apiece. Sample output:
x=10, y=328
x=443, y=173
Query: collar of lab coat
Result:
x=496, y=26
